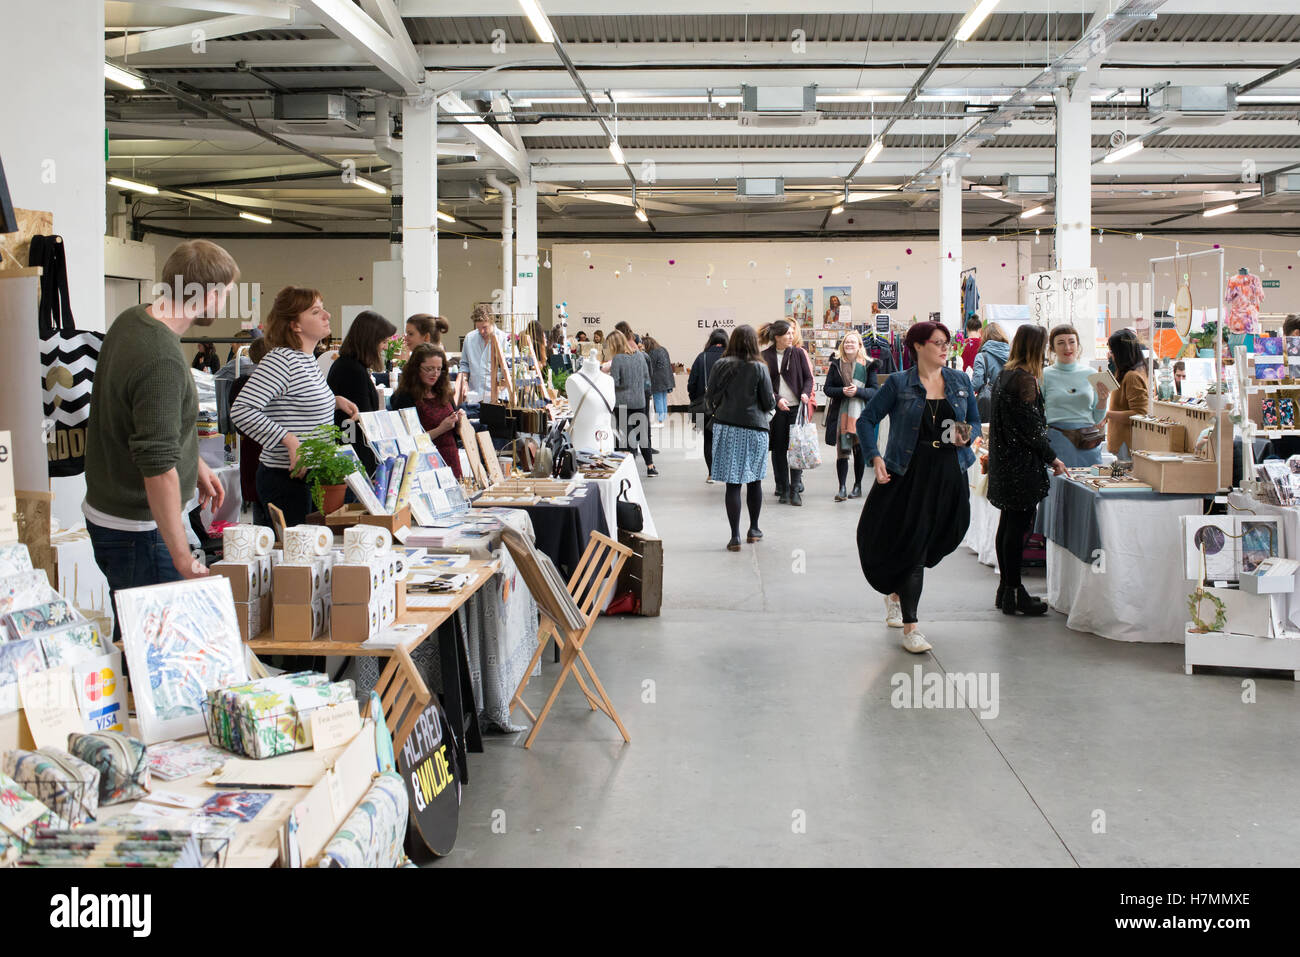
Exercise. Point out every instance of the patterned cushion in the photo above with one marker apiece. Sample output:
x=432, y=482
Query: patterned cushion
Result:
x=68, y=786
x=121, y=760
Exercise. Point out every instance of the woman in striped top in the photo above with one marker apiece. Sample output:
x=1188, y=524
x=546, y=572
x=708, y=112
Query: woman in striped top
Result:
x=286, y=397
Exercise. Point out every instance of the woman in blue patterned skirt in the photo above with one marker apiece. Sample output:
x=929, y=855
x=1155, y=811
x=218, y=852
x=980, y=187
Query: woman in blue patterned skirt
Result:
x=740, y=402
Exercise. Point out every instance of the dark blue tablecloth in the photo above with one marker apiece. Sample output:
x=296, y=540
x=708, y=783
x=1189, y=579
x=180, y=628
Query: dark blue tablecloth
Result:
x=562, y=530
x=1070, y=514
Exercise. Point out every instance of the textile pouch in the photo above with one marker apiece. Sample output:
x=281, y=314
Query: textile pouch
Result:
x=805, y=452
x=627, y=513
x=68, y=360
x=1084, y=439
x=66, y=785
x=121, y=760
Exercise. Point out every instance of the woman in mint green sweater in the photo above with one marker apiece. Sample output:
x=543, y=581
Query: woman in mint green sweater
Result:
x=1072, y=402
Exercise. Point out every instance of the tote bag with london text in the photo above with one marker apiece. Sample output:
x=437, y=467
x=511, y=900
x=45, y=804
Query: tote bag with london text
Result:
x=68, y=359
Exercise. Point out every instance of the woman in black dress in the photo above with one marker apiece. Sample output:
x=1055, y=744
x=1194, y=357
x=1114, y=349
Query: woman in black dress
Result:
x=1020, y=454
x=919, y=508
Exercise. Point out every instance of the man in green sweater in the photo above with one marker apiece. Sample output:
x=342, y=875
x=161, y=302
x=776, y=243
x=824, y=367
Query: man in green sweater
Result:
x=142, y=449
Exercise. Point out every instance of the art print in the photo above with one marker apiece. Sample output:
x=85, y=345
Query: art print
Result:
x=236, y=805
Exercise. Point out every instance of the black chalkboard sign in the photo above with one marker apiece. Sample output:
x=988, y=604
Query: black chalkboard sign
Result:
x=887, y=294
x=427, y=763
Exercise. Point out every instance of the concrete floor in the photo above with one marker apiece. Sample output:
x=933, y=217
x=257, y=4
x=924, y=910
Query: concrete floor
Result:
x=770, y=738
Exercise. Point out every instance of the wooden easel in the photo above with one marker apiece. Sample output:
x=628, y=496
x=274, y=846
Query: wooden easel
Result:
x=568, y=615
x=472, y=452
x=497, y=365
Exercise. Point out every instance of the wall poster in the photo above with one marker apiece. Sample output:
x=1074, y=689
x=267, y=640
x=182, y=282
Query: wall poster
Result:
x=835, y=298
x=887, y=294
x=799, y=306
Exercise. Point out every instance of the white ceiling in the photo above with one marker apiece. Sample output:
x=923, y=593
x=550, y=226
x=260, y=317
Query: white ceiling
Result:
x=667, y=84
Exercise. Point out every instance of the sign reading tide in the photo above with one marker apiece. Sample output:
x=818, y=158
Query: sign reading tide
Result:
x=427, y=764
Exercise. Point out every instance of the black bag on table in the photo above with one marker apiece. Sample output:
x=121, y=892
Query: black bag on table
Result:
x=627, y=513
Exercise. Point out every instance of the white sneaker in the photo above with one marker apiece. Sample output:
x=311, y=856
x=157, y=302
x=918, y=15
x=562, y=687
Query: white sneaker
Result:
x=916, y=643
x=893, y=613
x=709, y=479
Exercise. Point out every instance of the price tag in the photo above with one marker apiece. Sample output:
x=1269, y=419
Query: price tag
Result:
x=338, y=804
x=334, y=725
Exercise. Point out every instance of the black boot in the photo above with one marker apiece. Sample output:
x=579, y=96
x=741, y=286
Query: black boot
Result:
x=997, y=602
x=1027, y=604
x=1007, y=600
x=795, y=497
x=781, y=496
x=841, y=495
x=857, y=490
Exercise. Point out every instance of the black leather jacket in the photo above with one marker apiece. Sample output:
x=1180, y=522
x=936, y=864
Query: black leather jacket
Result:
x=740, y=394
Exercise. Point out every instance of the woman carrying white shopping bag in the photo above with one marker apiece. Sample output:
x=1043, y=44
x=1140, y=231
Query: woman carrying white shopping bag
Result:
x=791, y=373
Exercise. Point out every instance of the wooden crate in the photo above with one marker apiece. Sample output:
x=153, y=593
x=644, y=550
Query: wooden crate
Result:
x=1210, y=474
x=1152, y=436
x=643, y=574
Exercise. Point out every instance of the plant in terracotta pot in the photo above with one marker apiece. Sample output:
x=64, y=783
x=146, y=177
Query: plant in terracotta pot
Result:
x=328, y=465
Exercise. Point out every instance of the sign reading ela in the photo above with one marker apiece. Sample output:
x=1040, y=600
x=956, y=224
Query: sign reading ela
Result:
x=426, y=765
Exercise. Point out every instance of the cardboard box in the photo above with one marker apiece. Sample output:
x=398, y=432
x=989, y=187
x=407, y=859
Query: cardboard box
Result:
x=355, y=622
x=265, y=565
x=358, y=584
x=254, y=617
x=298, y=584
x=399, y=599
x=301, y=622
x=245, y=578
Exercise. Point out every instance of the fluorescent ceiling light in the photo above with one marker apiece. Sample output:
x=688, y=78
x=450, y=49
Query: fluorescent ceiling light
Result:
x=1220, y=210
x=1033, y=211
x=616, y=151
x=641, y=215
x=446, y=217
x=874, y=150
x=1128, y=149
x=865, y=96
x=538, y=19
x=837, y=209
x=366, y=184
x=254, y=218
x=133, y=185
x=126, y=78
x=973, y=19
x=596, y=97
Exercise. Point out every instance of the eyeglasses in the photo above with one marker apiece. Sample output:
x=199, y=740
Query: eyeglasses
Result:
x=941, y=343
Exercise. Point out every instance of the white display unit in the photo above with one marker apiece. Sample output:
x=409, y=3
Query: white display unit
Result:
x=1240, y=651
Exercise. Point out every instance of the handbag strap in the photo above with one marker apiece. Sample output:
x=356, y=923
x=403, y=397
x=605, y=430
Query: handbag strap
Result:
x=55, y=312
x=622, y=491
x=608, y=408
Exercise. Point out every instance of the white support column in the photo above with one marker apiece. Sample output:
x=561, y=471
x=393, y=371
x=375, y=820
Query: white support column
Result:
x=420, y=207
x=526, y=252
x=950, y=249
x=1074, y=182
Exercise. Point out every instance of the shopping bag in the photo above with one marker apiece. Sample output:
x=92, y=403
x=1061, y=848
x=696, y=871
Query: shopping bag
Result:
x=68, y=360
x=804, y=452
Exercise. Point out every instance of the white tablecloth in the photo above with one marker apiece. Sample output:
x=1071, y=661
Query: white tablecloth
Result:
x=635, y=493
x=1135, y=590
x=981, y=536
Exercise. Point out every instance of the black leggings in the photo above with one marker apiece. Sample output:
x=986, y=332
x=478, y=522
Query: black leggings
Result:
x=753, y=498
x=708, y=443
x=909, y=594
x=1012, y=528
x=785, y=477
x=859, y=466
x=632, y=432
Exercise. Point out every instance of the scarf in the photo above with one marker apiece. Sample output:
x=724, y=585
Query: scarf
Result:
x=852, y=406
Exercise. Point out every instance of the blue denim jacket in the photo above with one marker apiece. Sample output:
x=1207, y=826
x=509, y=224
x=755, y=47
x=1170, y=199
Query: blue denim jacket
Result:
x=902, y=398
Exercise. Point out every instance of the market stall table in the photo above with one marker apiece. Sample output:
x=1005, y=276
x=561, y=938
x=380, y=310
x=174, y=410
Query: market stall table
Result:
x=1114, y=565
x=982, y=533
x=452, y=651
x=564, y=527
x=635, y=493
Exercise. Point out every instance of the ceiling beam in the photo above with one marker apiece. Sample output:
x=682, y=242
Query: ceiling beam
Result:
x=187, y=34
x=665, y=8
x=258, y=8
x=515, y=159
x=394, y=56
x=510, y=131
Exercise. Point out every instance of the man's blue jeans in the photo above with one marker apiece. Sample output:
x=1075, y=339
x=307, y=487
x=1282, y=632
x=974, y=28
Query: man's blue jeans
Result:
x=130, y=560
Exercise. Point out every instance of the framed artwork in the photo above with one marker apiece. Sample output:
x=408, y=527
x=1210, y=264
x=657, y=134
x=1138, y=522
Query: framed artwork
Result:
x=798, y=305
x=181, y=641
x=834, y=298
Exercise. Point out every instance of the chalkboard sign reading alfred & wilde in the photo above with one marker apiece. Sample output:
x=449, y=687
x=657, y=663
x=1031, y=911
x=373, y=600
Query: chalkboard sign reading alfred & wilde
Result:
x=887, y=294
x=427, y=762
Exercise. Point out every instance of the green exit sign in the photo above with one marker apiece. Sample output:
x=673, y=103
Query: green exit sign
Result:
x=1272, y=283
x=525, y=275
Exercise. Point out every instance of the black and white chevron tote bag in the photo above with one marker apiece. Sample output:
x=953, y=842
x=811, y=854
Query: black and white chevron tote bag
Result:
x=68, y=359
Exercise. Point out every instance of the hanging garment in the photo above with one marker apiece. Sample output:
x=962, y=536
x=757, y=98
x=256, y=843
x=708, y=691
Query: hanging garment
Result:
x=1245, y=294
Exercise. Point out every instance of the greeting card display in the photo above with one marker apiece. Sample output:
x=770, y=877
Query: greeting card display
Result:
x=72, y=644
x=184, y=638
x=1231, y=546
x=24, y=590
x=1270, y=346
x=17, y=658
x=26, y=622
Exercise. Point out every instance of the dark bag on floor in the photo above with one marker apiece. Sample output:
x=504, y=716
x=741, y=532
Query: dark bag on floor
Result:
x=68, y=360
x=628, y=513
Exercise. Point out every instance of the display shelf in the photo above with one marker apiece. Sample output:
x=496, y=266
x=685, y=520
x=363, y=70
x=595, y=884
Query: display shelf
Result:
x=1240, y=651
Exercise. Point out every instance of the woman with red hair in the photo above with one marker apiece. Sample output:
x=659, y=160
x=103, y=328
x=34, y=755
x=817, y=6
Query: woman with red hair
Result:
x=919, y=508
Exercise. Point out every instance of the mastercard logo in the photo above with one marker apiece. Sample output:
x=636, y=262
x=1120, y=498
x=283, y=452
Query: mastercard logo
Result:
x=100, y=684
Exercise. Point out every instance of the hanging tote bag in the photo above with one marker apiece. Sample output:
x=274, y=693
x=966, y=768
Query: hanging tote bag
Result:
x=626, y=512
x=68, y=359
x=804, y=451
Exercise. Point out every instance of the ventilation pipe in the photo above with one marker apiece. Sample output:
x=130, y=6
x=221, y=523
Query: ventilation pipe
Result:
x=507, y=250
x=386, y=150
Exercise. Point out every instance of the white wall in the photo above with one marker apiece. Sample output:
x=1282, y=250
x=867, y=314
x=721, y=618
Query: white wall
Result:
x=52, y=137
x=676, y=302
x=342, y=270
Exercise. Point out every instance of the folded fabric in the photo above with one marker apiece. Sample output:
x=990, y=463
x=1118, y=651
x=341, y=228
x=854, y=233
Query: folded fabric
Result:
x=20, y=814
x=374, y=834
x=66, y=785
x=26, y=622
x=121, y=761
x=72, y=644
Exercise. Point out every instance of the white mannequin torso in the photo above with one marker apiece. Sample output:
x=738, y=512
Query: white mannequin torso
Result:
x=593, y=425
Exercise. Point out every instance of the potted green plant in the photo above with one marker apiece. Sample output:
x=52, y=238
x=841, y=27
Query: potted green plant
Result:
x=327, y=466
x=1205, y=340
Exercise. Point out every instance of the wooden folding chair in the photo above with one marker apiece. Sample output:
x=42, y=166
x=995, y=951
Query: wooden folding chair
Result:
x=403, y=695
x=567, y=615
